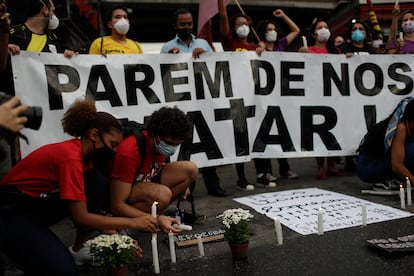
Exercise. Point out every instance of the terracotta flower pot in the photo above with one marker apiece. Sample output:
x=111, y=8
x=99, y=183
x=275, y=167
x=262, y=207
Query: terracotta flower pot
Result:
x=118, y=271
x=239, y=251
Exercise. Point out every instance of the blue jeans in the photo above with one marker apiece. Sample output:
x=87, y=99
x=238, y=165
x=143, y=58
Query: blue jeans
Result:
x=379, y=170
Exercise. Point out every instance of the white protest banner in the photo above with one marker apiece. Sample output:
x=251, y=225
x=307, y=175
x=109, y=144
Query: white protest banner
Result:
x=298, y=209
x=243, y=106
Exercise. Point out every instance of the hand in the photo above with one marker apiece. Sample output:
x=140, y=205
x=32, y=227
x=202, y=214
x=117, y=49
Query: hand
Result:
x=4, y=19
x=69, y=53
x=138, y=252
x=166, y=223
x=303, y=49
x=197, y=52
x=278, y=13
x=174, y=50
x=14, y=49
x=9, y=115
x=260, y=50
x=145, y=222
x=396, y=10
x=186, y=194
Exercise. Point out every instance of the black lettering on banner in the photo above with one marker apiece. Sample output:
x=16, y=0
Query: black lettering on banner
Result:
x=55, y=88
x=286, y=77
x=168, y=82
x=370, y=114
x=330, y=75
x=132, y=84
x=238, y=113
x=222, y=70
x=378, y=77
x=264, y=138
x=308, y=128
x=207, y=142
x=100, y=72
x=392, y=72
x=267, y=67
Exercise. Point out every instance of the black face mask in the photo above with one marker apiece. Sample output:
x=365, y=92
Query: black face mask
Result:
x=184, y=33
x=102, y=156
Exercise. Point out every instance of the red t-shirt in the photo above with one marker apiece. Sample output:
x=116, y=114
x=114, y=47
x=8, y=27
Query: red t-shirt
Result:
x=51, y=170
x=231, y=44
x=316, y=50
x=127, y=161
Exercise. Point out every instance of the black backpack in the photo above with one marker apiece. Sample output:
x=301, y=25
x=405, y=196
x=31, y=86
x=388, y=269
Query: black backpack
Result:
x=372, y=144
x=134, y=128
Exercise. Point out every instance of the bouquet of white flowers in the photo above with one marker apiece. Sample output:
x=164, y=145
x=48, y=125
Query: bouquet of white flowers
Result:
x=112, y=250
x=237, y=223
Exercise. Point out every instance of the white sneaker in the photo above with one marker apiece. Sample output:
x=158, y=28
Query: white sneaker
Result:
x=83, y=256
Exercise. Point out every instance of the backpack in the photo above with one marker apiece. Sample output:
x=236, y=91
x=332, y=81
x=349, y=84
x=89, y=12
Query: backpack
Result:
x=134, y=128
x=372, y=144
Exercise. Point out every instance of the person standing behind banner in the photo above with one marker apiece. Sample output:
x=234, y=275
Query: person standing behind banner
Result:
x=48, y=185
x=323, y=45
x=405, y=44
x=271, y=34
x=235, y=35
x=186, y=42
x=116, y=43
x=359, y=35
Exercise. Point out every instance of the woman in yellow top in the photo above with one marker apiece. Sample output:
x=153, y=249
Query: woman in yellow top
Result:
x=117, y=42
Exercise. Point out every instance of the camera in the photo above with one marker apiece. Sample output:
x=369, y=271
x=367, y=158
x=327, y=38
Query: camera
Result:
x=34, y=114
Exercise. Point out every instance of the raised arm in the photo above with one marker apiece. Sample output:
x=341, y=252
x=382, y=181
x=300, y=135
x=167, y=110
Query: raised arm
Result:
x=393, y=29
x=224, y=19
x=294, y=29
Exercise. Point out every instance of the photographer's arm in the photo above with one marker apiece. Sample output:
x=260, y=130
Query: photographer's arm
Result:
x=9, y=115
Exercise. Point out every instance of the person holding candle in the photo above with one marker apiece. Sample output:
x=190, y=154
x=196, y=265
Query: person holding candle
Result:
x=386, y=153
x=405, y=43
x=135, y=186
x=48, y=185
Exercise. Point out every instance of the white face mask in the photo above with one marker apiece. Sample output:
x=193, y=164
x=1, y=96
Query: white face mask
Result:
x=243, y=31
x=271, y=36
x=53, y=22
x=323, y=35
x=122, y=26
x=377, y=43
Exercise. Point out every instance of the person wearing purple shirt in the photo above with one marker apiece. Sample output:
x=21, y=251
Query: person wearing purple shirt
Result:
x=405, y=44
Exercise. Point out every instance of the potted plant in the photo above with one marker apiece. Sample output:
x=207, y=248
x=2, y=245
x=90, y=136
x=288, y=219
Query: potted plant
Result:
x=114, y=251
x=237, y=233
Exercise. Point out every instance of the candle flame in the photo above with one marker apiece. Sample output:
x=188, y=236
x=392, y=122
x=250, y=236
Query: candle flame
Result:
x=155, y=203
x=401, y=186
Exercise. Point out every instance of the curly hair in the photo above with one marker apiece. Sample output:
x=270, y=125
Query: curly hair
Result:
x=262, y=26
x=170, y=121
x=82, y=116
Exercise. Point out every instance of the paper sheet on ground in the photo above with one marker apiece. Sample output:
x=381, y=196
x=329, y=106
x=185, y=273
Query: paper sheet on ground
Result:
x=298, y=209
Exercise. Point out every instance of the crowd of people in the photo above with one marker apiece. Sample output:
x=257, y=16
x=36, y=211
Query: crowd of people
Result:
x=102, y=170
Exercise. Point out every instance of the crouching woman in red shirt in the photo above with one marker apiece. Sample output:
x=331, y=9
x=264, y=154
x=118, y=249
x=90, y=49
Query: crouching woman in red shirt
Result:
x=48, y=185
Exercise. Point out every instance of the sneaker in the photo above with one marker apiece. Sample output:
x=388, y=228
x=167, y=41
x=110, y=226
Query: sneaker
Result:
x=270, y=177
x=289, y=175
x=83, y=256
x=389, y=185
x=244, y=185
x=264, y=181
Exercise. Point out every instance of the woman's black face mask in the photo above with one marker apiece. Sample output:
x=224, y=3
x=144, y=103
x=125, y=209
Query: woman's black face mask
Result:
x=102, y=156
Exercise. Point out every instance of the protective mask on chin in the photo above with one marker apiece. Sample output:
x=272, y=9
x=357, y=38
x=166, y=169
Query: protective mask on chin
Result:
x=53, y=22
x=122, y=26
x=243, y=31
x=271, y=36
x=377, y=43
x=408, y=26
x=357, y=36
x=323, y=35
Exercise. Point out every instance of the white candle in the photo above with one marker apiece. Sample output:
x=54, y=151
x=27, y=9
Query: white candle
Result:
x=401, y=35
x=402, y=197
x=408, y=186
x=278, y=230
x=172, y=247
x=183, y=226
x=320, y=221
x=364, y=215
x=396, y=4
x=200, y=245
x=155, y=260
x=154, y=209
x=305, y=42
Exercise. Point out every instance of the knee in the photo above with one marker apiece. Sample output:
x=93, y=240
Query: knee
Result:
x=192, y=171
x=164, y=197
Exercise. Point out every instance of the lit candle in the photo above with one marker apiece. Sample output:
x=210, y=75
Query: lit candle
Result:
x=320, y=221
x=154, y=209
x=364, y=215
x=305, y=42
x=402, y=197
x=278, y=230
x=200, y=245
x=172, y=247
x=408, y=186
x=155, y=260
